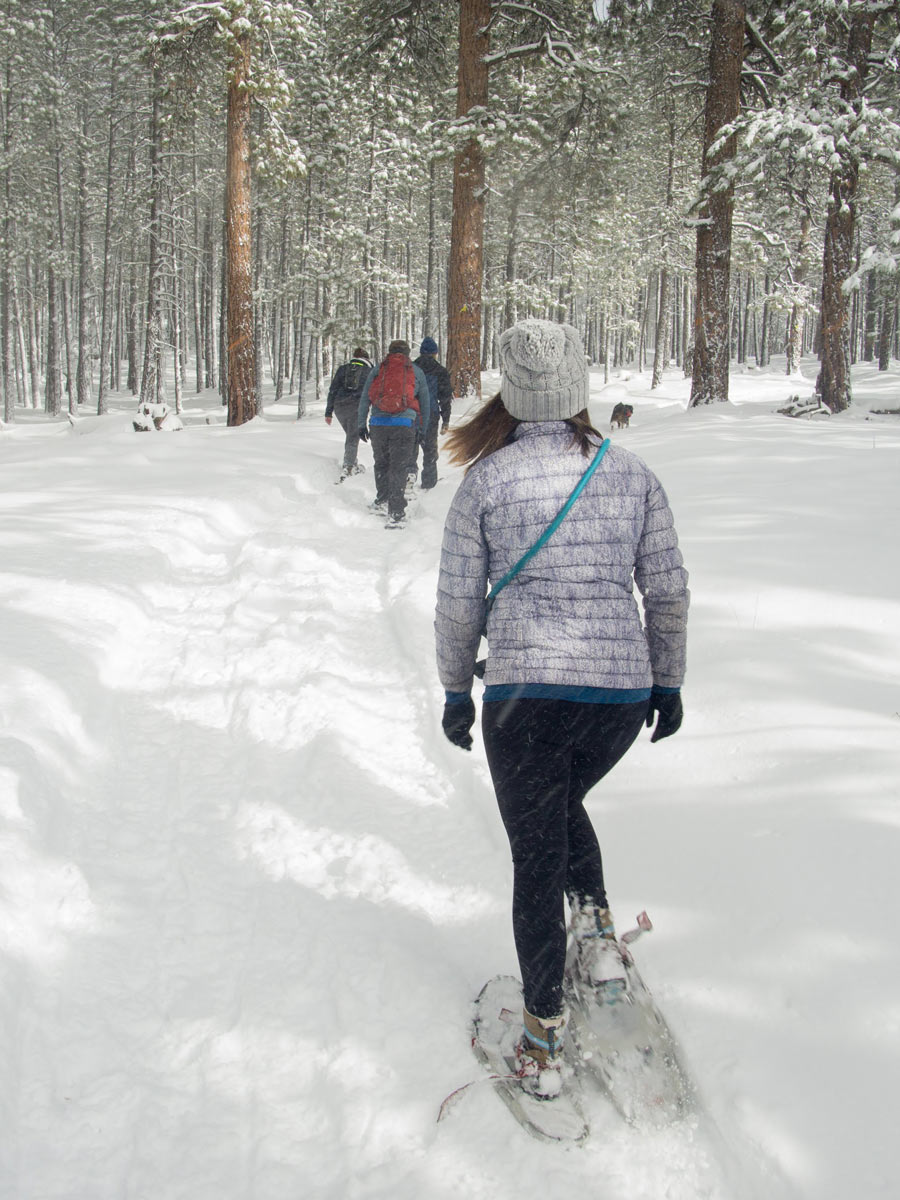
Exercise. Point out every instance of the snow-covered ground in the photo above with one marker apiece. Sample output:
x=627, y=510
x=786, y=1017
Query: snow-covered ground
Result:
x=249, y=891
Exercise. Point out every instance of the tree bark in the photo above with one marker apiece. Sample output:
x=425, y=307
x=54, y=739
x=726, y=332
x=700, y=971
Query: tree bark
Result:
x=83, y=380
x=196, y=312
x=664, y=303
x=32, y=332
x=798, y=308
x=6, y=384
x=431, y=324
x=53, y=378
x=467, y=226
x=711, y=317
x=106, y=307
x=63, y=290
x=833, y=383
x=243, y=402
x=150, y=374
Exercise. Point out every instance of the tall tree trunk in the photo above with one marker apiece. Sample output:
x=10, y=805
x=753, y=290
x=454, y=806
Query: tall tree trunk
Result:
x=210, y=356
x=368, y=301
x=886, y=335
x=259, y=307
x=106, y=307
x=833, y=383
x=31, y=321
x=243, y=402
x=199, y=343
x=53, y=381
x=63, y=289
x=890, y=294
x=6, y=384
x=870, y=336
x=762, y=349
x=798, y=308
x=711, y=317
x=116, y=353
x=20, y=352
x=510, y=314
x=132, y=337
x=280, y=354
x=150, y=375
x=83, y=382
x=662, y=322
x=467, y=227
x=431, y=323
x=686, y=326
x=660, y=350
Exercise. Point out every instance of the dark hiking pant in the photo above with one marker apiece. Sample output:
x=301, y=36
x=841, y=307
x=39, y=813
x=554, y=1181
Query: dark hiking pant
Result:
x=348, y=417
x=429, y=444
x=544, y=757
x=392, y=447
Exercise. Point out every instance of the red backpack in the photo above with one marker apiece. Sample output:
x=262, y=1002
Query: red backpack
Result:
x=393, y=388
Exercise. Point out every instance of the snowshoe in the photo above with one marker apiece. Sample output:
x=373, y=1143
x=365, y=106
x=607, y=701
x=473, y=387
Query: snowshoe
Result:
x=618, y=1035
x=543, y=1099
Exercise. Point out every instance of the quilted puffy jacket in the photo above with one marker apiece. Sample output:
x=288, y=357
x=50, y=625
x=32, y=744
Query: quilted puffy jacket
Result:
x=569, y=619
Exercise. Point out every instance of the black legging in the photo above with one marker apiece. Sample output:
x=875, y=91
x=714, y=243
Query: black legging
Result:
x=544, y=757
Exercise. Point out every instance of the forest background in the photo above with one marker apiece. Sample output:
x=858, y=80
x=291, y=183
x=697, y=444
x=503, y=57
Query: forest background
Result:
x=354, y=172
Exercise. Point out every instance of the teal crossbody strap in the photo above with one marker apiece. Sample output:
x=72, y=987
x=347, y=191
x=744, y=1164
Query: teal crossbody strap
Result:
x=549, y=531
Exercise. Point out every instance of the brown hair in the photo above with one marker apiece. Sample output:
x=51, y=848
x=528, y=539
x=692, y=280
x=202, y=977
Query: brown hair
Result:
x=492, y=427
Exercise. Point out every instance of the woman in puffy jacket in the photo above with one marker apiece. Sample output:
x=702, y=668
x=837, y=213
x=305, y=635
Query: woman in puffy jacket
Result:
x=573, y=672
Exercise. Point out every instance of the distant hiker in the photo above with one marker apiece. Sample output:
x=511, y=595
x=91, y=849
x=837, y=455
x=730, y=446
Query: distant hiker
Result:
x=397, y=393
x=343, y=402
x=441, y=392
x=572, y=673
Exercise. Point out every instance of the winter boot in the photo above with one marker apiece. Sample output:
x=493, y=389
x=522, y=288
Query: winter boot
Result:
x=539, y=1062
x=378, y=507
x=598, y=957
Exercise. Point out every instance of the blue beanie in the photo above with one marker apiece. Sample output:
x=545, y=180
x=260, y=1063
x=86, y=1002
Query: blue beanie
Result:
x=429, y=346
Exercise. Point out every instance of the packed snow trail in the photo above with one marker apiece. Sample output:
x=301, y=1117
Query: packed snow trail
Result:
x=249, y=891
x=268, y=887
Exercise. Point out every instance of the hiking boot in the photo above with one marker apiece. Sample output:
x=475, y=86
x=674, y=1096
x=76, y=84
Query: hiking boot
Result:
x=539, y=1061
x=378, y=507
x=598, y=957
x=395, y=522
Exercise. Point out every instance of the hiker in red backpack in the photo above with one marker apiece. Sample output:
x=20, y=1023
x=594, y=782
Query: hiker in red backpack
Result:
x=397, y=393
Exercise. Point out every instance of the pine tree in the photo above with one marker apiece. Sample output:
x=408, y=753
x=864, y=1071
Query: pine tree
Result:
x=467, y=233
x=711, y=344
x=245, y=31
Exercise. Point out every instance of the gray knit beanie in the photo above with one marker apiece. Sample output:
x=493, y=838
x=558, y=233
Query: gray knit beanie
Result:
x=544, y=372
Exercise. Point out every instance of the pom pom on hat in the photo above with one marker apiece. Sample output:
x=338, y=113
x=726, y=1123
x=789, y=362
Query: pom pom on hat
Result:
x=545, y=375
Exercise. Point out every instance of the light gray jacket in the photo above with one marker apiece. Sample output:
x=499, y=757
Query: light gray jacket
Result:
x=569, y=618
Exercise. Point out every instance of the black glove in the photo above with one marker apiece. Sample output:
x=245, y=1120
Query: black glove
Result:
x=668, y=705
x=363, y=433
x=458, y=719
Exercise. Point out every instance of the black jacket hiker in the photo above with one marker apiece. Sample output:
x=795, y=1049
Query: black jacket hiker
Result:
x=343, y=402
